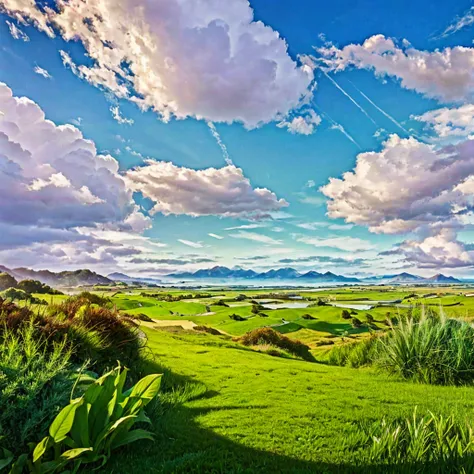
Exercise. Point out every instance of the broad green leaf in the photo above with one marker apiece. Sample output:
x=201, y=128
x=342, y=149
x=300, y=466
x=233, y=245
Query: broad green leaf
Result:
x=7, y=458
x=143, y=418
x=19, y=464
x=80, y=428
x=41, y=448
x=98, y=414
x=147, y=388
x=74, y=453
x=62, y=424
x=92, y=392
x=130, y=437
x=124, y=423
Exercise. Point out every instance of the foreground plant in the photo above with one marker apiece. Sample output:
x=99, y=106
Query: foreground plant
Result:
x=88, y=429
x=423, y=443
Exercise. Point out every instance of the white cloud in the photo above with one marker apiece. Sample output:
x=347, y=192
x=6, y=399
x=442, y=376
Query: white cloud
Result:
x=215, y=236
x=246, y=226
x=181, y=58
x=302, y=124
x=312, y=225
x=459, y=23
x=441, y=250
x=16, y=32
x=405, y=186
x=212, y=191
x=348, y=244
x=53, y=182
x=264, y=239
x=313, y=200
x=42, y=72
x=190, y=243
x=450, y=122
x=118, y=117
x=310, y=183
x=446, y=74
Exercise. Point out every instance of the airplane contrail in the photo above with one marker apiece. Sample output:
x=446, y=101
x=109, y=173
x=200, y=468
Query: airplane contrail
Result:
x=399, y=125
x=219, y=141
x=349, y=97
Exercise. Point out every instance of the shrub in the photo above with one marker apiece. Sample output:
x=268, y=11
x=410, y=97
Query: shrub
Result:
x=423, y=441
x=139, y=317
x=221, y=303
x=262, y=336
x=369, y=318
x=321, y=302
x=236, y=317
x=20, y=295
x=7, y=281
x=256, y=308
x=207, y=329
x=345, y=314
x=307, y=316
x=92, y=298
x=356, y=323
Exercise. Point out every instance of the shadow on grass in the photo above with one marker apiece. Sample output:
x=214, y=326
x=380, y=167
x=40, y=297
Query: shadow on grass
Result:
x=183, y=445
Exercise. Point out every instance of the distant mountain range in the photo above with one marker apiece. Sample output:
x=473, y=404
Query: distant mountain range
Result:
x=66, y=278
x=220, y=272
x=117, y=276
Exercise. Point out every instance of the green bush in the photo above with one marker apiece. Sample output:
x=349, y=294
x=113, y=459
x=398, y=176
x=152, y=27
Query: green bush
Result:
x=262, y=336
x=207, y=329
x=236, y=317
x=15, y=294
x=356, y=323
x=354, y=354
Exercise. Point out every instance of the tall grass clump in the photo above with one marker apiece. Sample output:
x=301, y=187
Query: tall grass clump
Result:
x=432, y=443
x=354, y=354
x=35, y=382
x=429, y=349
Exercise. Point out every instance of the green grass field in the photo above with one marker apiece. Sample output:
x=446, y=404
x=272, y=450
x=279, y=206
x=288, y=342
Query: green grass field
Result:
x=257, y=413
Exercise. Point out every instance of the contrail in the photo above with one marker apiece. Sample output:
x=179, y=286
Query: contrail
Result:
x=349, y=97
x=399, y=125
x=337, y=126
x=219, y=141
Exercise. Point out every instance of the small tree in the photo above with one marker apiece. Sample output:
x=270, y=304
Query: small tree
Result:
x=369, y=318
x=7, y=281
x=255, y=309
x=345, y=314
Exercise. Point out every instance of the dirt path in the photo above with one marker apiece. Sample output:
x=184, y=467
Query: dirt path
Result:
x=159, y=323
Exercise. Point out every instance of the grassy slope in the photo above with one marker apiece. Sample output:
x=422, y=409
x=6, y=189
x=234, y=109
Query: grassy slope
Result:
x=264, y=414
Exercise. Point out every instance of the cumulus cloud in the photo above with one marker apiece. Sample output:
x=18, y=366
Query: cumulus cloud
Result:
x=405, y=186
x=16, y=32
x=205, y=59
x=302, y=124
x=450, y=122
x=53, y=183
x=212, y=191
x=446, y=74
x=441, y=250
x=171, y=261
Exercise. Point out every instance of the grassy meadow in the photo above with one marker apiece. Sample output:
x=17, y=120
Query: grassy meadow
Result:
x=382, y=383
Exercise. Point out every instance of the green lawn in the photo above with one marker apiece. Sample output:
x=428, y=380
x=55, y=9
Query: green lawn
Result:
x=265, y=414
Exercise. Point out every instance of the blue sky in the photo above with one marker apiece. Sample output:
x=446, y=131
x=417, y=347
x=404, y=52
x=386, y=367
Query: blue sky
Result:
x=293, y=166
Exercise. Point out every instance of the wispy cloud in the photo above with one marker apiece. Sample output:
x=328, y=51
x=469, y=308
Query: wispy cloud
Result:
x=190, y=243
x=42, y=72
x=16, y=32
x=264, y=239
x=347, y=244
x=460, y=22
x=215, y=236
x=246, y=226
x=219, y=141
x=118, y=117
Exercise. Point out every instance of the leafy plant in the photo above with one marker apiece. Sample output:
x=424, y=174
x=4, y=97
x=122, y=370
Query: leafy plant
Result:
x=88, y=429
